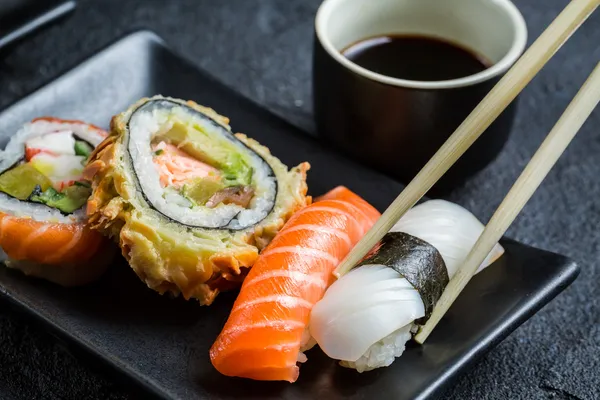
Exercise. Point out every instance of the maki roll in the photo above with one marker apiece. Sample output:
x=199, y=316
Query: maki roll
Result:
x=42, y=200
x=190, y=203
x=367, y=316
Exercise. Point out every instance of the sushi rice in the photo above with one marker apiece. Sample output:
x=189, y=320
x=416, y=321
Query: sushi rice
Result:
x=384, y=352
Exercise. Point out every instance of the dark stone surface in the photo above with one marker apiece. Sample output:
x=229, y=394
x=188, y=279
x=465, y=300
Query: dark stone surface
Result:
x=263, y=48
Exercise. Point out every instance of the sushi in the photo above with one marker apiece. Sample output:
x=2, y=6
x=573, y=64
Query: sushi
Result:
x=42, y=199
x=367, y=316
x=266, y=333
x=190, y=203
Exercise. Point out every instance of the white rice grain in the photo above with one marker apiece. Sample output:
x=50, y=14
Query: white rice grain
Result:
x=382, y=353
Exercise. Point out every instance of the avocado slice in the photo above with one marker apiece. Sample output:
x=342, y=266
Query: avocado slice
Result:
x=21, y=180
x=215, y=151
x=201, y=190
x=196, y=143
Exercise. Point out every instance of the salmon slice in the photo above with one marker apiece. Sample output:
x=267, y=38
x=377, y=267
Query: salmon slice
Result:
x=176, y=167
x=47, y=243
x=263, y=336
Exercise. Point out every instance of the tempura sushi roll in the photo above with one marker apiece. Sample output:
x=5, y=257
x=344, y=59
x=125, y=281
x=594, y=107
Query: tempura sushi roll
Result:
x=367, y=316
x=42, y=200
x=190, y=203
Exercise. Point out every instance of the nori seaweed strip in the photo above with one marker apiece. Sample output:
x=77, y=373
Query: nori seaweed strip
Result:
x=77, y=137
x=416, y=260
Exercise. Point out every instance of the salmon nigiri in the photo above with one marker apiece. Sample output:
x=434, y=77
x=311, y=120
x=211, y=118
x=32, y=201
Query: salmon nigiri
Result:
x=266, y=331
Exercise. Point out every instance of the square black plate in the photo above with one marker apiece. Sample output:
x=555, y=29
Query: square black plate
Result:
x=162, y=345
x=19, y=18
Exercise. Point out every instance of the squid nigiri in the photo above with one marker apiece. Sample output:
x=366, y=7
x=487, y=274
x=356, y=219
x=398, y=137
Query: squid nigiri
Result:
x=266, y=333
x=366, y=317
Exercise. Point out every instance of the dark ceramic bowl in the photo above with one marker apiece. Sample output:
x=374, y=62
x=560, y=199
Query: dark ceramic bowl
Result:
x=396, y=125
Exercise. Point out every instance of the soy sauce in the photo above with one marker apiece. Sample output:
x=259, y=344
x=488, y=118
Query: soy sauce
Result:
x=417, y=58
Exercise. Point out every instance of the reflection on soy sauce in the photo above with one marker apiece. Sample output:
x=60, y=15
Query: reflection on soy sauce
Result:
x=417, y=58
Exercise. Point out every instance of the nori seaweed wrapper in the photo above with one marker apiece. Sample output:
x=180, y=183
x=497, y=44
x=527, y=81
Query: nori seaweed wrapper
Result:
x=416, y=260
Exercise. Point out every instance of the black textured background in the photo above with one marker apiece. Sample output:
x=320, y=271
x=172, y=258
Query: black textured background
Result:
x=263, y=48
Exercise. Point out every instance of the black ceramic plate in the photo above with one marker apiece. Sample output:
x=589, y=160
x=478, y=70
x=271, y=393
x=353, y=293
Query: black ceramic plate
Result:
x=19, y=18
x=161, y=345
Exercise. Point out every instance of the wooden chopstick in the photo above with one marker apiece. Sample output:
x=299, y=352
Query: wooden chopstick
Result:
x=503, y=93
x=534, y=173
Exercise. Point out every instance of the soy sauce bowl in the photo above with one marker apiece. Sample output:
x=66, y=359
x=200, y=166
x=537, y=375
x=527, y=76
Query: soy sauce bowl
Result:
x=396, y=125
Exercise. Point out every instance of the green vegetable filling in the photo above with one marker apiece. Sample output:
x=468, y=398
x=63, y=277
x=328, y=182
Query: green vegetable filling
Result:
x=236, y=171
x=71, y=199
x=83, y=149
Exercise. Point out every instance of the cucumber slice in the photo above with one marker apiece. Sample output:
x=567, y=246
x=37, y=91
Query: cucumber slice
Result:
x=83, y=149
x=73, y=197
